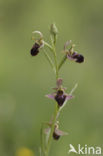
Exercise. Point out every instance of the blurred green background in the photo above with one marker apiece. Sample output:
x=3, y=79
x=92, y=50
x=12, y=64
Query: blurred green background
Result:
x=24, y=80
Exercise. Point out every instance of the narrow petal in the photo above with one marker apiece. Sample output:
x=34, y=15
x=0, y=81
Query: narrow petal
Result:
x=68, y=97
x=70, y=57
x=47, y=130
x=60, y=133
x=67, y=44
x=38, y=32
x=51, y=96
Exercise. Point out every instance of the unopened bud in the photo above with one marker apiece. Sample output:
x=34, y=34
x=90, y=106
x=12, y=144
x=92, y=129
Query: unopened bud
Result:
x=53, y=29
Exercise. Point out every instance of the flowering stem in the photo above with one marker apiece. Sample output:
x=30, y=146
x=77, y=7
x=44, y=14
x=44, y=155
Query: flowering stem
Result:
x=53, y=49
x=45, y=150
x=59, y=95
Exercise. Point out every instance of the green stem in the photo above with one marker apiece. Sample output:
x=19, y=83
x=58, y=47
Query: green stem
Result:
x=62, y=62
x=52, y=130
x=42, y=139
x=56, y=64
x=55, y=55
x=55, y=39
x=52, y=48
x=57, y=108
x=48, y=45
x=50, y=61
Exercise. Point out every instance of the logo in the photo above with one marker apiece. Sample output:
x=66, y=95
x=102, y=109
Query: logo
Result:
x=85, y=150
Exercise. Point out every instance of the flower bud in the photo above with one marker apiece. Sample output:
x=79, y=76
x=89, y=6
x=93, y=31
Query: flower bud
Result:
x=53, y=29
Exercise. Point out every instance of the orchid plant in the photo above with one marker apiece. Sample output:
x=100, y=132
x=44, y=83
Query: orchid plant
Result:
x=50, y=130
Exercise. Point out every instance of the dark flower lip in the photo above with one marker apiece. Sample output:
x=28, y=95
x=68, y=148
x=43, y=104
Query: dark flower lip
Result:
x=35, y=49
x=79, y=58
x=56, y=136
x=60, y=97
x=76, y=57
